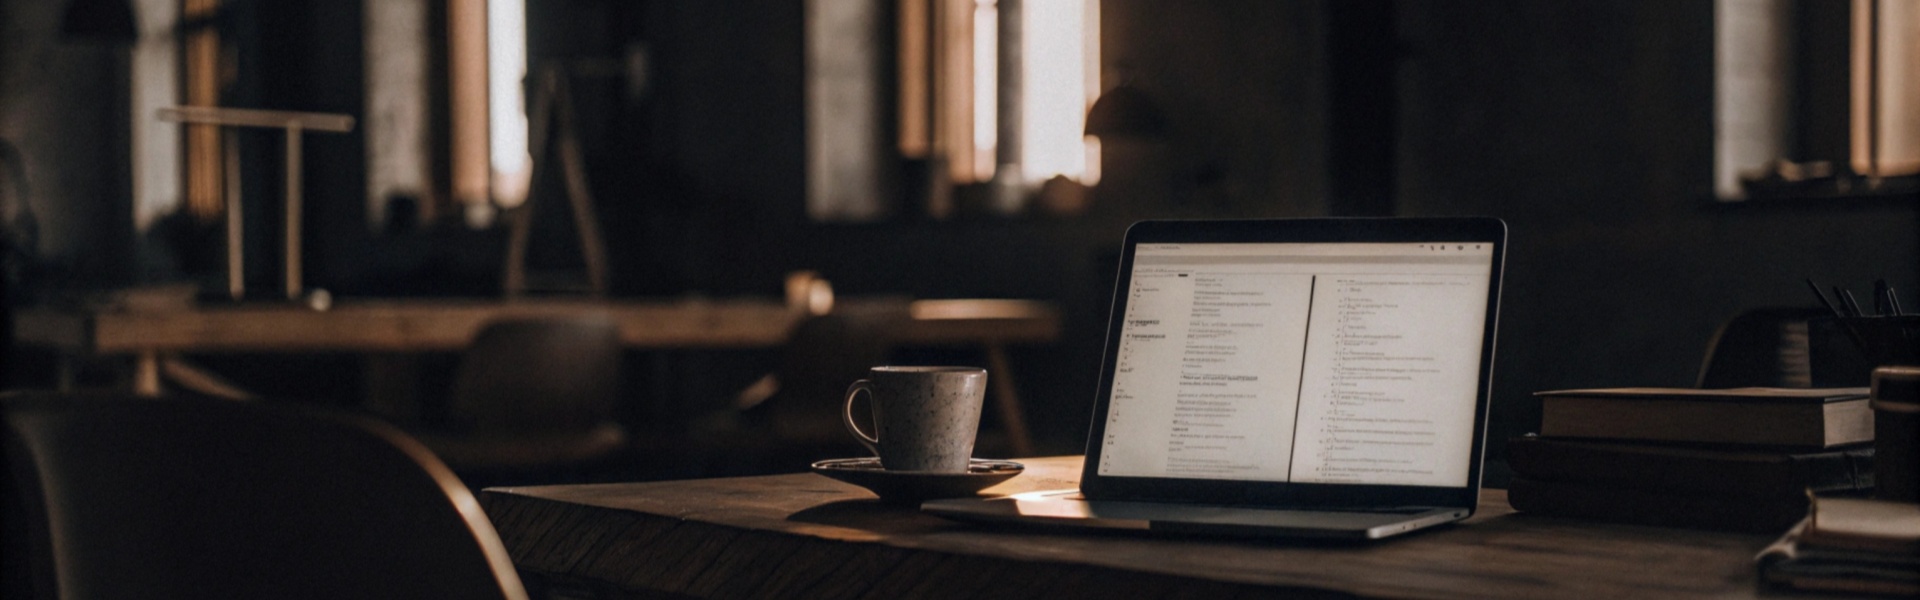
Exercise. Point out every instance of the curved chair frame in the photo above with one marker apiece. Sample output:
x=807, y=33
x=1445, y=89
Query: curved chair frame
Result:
x=147, y=498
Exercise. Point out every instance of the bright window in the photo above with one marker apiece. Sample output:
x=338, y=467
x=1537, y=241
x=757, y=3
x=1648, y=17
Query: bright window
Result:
x=980, y=98
x=1815, y=98
x=510, y=163
x=1060, y=72
x=951, y=91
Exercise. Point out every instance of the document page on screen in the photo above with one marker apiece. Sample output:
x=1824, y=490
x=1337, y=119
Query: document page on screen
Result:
x=1320, y=363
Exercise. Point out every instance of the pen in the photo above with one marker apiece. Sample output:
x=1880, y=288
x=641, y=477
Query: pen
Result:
x=1880, y=305
x=1893, y=302
x=1823, y=297
x=1846, y=300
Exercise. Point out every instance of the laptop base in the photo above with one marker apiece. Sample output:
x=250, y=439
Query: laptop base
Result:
x=1067, y=508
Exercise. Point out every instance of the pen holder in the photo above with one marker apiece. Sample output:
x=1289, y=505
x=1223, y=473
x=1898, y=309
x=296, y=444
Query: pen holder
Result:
x=1843, y=351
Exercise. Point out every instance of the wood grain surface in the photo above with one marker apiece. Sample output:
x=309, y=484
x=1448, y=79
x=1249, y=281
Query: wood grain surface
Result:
x=805, y=536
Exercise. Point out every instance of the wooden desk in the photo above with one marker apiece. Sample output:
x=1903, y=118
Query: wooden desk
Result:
x=409, y=326
x=803, y=535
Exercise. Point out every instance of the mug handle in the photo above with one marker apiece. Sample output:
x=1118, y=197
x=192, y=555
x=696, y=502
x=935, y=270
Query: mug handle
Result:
x=846, y=416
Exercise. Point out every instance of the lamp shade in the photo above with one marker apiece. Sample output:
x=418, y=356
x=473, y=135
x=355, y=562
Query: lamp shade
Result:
x=1125, y=111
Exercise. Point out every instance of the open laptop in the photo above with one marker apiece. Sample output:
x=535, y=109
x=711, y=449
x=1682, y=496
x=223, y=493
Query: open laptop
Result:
x=1313, y=377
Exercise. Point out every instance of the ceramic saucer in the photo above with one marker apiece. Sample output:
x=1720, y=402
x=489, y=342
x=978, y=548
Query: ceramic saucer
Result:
x=910, y=487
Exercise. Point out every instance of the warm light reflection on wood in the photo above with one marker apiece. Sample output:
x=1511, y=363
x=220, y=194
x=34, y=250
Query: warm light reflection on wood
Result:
x=975, y=308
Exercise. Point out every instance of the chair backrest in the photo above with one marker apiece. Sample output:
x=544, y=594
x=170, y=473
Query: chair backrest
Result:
x=538, y=375
x=1764, y=347
x=143, y=498
x=822, y=356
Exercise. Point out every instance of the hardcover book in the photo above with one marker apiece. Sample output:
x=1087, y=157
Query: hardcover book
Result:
x=1849, y=545
x=1748, y=513
x=1773, y=417
x=1692, y=469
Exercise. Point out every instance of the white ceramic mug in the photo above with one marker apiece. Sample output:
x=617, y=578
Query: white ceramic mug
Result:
x=925, y=417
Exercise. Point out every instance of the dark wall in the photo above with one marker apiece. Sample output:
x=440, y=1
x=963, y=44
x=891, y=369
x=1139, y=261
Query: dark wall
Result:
x=1588, y=127
x=64, y=105
x=1243, y=84
x=715, y=167
x=301, y=56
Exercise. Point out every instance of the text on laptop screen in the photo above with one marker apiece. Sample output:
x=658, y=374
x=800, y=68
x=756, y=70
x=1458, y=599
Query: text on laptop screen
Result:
x=1346, y=363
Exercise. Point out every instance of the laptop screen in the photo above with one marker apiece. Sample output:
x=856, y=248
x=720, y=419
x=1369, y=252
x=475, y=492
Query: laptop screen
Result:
x=1334, y=363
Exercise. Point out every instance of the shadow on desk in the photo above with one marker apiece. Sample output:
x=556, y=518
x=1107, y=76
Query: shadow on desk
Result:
x=871, y=514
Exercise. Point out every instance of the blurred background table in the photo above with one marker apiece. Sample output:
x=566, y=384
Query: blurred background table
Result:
x=395, y=328
x=424, y=325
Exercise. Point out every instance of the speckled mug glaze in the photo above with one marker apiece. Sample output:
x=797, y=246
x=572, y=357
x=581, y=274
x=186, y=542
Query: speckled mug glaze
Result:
x=926, y=417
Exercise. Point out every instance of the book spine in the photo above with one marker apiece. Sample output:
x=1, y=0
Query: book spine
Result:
x=1639, y=507
x=1691, y=471
x=1849, y=471
x=1679, y=420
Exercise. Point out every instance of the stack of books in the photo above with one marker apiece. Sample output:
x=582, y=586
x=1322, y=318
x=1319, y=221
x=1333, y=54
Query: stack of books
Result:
x=1737, y=459
x=1849, y=545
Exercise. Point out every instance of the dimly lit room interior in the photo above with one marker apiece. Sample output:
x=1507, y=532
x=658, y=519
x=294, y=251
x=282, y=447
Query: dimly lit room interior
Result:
x=620, y=241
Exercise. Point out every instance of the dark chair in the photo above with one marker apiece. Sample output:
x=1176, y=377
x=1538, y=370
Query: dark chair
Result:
x=1763, y=347
x=791, y=417
x=128, y=497
x=530, y=396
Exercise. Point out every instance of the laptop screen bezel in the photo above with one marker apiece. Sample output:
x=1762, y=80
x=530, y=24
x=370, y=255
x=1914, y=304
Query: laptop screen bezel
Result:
x=1328, y=230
